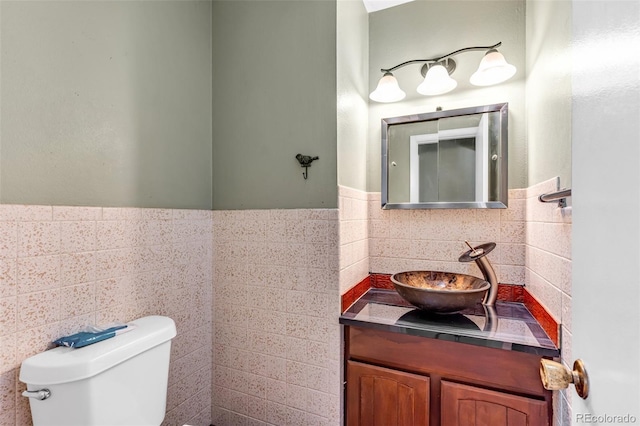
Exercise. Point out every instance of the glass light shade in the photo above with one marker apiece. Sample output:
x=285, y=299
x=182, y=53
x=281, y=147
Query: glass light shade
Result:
x=437, y=81
x=387, y=90
x=493, y=69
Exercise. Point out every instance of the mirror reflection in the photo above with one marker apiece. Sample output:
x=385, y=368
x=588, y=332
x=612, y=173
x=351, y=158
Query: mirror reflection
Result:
x=446, y=159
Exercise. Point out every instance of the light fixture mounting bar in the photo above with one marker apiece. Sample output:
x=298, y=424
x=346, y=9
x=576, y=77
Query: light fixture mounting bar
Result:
x=438, y=59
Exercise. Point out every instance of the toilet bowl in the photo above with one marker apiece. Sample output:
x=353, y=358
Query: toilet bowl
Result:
x=120, y=381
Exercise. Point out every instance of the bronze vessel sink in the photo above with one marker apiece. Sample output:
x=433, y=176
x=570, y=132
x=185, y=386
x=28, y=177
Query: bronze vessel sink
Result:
x=440, y=292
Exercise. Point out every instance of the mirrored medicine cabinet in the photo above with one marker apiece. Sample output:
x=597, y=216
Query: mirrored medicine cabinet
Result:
x=454, y=159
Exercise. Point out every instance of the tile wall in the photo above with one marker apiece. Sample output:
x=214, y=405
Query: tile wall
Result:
x=353, y=208
x=548, y=272
x=401, y=240
x=276, y=357
x=65, y=267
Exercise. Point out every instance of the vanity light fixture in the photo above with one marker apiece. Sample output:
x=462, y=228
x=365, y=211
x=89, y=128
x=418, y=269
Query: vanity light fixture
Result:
x=437, y=72
x=493, y=69
x=437, y=80
x=387, y=90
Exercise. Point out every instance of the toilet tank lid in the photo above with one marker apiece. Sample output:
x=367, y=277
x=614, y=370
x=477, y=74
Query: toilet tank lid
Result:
x=63, y=365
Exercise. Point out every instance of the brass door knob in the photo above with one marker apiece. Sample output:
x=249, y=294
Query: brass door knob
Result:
x=556, y=376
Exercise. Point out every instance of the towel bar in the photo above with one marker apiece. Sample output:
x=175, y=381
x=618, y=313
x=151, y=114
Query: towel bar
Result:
x=559, y=196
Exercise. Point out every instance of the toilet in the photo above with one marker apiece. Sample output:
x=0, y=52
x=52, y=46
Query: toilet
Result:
x=121, y=381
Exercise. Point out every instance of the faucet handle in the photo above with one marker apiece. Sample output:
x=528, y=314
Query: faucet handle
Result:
x=475, y=253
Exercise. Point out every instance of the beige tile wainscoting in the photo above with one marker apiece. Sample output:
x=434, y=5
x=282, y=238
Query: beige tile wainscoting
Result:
x=276, y=357
x=256, y=294
x=62, y=268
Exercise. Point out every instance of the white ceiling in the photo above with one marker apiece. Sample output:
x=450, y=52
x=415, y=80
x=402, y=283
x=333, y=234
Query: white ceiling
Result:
x=375, y=5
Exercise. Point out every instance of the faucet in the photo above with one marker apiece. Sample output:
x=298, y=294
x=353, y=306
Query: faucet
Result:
x=478, y=254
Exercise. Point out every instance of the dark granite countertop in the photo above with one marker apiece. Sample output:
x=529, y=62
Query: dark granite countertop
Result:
x=508, y=326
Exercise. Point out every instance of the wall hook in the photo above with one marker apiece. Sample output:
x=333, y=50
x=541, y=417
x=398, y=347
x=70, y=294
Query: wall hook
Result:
x=305, y=161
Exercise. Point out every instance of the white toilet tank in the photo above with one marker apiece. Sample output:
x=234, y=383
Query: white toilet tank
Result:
x=120, y=381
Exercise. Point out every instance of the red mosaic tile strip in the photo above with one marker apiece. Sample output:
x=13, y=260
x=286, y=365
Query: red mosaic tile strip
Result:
x=382, y=281
x=547, y=322
x=355, y=292
x=511, y=293
x=518, y=293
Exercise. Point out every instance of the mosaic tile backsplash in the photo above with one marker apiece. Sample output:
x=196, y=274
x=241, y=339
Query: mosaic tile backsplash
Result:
x=62, y=268
x=533, y=242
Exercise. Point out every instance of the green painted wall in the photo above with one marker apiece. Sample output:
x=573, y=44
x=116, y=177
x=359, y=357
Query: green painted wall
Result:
x=274, y=96
x=549, y=90
x=352, y=92
x=106, y=103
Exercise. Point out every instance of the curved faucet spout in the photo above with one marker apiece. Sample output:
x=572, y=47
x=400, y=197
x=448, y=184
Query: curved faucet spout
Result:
x=478, y=254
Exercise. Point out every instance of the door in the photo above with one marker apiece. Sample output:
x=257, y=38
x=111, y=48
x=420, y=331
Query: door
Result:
x=606, y=211
x=464, y=405
x=379, y=396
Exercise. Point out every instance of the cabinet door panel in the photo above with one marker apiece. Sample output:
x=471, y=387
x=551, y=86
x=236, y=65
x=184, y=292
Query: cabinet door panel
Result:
x=464, y=405
x=516, y=418
x=379, y=396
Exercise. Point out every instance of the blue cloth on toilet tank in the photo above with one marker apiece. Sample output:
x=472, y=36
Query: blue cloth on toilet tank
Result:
x=85, y=338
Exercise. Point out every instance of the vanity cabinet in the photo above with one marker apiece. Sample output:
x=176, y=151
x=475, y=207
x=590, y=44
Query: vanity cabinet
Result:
x=395, y=379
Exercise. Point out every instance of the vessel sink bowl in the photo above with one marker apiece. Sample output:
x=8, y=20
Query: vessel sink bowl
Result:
x=440, y=292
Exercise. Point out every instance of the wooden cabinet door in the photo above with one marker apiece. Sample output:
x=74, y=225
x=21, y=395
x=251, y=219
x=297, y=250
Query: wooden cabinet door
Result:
x=379, y=396
x=471, y=406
